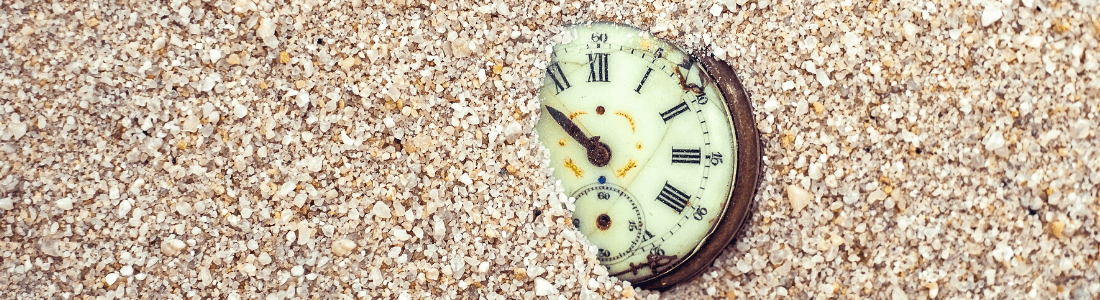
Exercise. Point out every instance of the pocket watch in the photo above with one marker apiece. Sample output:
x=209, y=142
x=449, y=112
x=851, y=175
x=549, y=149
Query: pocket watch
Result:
x=658, y=147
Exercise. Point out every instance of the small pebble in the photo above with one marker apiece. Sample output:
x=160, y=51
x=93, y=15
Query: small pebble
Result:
x=401, y=235
x=264, y=259
x=126, y=271
x=233, y=59
x=342, y=247
x=113, y=193
x=991, y=14
x=995, y=140
x=215, y=55
x=381, y=210
x=1056, y=228
x=716, y=10
x=124, y=208
x=544, y=288
x=798, y=197
x=172, y=247
x=876, y=196
x=266, y=32
x=17, y=130
x=63, y=203
x=111, y=278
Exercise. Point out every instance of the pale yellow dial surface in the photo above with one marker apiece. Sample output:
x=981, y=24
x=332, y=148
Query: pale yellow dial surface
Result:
x=668, y=132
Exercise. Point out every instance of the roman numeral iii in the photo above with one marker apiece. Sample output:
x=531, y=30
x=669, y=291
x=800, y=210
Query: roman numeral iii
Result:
x=555, y=73
x=597, y=67
x=686, y=156
x=673, y=197
x=675, y=110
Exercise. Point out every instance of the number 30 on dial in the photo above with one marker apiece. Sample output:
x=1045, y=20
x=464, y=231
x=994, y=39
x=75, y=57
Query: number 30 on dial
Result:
x=660, y=150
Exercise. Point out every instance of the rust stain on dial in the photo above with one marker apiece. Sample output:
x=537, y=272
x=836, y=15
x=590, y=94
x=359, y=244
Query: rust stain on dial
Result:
x=603, y=222
x=695, y=88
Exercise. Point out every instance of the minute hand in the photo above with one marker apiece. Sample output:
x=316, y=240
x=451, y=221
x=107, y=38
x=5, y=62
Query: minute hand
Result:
x=599, y=154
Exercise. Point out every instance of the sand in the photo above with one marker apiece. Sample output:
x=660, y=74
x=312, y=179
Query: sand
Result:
x=384, y=149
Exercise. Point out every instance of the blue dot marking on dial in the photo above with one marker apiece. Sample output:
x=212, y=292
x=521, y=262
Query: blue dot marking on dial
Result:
x=603, y=180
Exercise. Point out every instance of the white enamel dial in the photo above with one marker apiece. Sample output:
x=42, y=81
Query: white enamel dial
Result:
x=667, y=135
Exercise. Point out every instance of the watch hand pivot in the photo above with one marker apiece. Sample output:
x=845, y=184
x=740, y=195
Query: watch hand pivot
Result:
x=599, y=154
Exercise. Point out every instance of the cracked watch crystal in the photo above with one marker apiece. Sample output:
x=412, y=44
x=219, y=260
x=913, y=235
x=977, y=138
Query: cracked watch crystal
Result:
x=658, y=148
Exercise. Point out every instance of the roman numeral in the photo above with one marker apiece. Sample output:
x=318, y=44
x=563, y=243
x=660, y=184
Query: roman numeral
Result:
x=644, y=77
x=686, y=156
x=597, y=67
x=555, y=73
x=673, y=197
x=675, y=110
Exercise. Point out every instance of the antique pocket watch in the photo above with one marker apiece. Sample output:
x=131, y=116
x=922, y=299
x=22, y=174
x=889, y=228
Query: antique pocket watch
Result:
x=659, y=148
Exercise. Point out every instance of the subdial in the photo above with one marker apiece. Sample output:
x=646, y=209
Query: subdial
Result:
x=611, y=218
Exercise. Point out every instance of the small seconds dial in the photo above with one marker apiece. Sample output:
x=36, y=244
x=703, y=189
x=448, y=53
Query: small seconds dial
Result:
x=644, y=125
x=610, y=217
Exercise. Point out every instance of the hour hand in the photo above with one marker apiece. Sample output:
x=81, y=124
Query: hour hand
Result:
x=599, y=154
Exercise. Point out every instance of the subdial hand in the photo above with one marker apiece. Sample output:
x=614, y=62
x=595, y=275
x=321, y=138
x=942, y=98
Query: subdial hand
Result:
x=599, y=154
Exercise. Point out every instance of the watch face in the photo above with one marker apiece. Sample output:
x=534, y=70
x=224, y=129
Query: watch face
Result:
x=641, y=135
